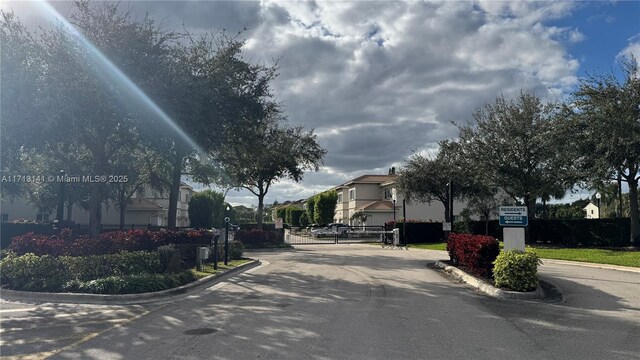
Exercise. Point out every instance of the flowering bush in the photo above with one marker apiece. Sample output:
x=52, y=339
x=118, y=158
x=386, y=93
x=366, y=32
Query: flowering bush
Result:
x=474, y=252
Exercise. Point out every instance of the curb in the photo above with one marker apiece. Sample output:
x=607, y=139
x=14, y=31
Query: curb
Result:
x=545, y=290
x=591, y=265
x=125, y=299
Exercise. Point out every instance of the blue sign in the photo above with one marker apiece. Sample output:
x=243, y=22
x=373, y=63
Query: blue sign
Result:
x=514, y=216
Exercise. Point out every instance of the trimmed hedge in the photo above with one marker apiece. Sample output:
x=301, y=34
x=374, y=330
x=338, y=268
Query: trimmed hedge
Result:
x=67, y=243
x=474, y=252
x=567, y=232
x=418, y=232
x=517, y=271
x=85, y=268
x=131, y=284
x=127, y=272
x=256, y=238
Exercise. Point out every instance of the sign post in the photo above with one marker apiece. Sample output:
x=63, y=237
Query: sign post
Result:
x=513, y=219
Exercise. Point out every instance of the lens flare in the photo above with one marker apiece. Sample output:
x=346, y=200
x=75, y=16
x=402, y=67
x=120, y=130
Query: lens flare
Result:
x=115, y=73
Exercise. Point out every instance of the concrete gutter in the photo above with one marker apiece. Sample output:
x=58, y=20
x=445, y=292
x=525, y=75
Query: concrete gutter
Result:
x=545, y=290
x=126, y=299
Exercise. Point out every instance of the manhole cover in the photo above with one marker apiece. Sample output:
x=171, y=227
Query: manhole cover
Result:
x=201, y=331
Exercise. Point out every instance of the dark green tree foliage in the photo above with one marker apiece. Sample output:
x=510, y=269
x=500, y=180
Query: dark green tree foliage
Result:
x=20, y=68
x=304, y=219
x=206, y=209
x=281, y=213
x=310, y=208
x=269, y=153
x=514, y=145
x=425, y=179
x=293, y=215
x=605, y=118
x=325, y=207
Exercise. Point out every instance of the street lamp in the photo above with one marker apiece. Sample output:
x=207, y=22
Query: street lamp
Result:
x=598, y=197
x=226, y=236
x=60, y=210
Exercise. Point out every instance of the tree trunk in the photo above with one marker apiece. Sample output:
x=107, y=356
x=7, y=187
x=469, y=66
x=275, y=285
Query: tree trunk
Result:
x=123, y=207
x=260, y=209
x=174, y=191
x=96, y=188
x=69, y=210
x=446, y=210
x=619, y=209
x=633, y=211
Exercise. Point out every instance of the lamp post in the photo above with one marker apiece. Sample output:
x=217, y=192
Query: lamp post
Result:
x=60, y=210
x=394, y=211
x=598, y=196
x=226, y=236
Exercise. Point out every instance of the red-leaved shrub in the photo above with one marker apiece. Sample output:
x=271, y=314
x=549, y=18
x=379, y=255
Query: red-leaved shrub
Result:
x=66, y=243
x=476, y=253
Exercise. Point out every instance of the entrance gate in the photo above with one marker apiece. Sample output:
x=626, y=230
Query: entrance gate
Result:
x=353, y=235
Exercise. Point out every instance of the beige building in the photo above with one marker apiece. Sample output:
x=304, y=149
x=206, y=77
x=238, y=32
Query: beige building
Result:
x=372, y=200
x=592, y=211
x=147, y=207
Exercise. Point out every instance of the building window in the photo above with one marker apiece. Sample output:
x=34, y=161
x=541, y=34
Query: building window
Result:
x=352, y=194
x=591, y=212
x=5, y=217
x=387, y=194
x=339, y=198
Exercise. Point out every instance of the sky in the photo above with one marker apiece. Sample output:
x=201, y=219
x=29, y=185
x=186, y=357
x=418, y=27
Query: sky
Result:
x=381, y=80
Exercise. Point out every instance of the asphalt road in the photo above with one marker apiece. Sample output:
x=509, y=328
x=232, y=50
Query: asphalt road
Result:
x=343, y=302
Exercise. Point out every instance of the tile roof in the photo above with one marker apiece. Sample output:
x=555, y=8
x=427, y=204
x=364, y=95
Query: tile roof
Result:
x=376, y=179
x=377, y=205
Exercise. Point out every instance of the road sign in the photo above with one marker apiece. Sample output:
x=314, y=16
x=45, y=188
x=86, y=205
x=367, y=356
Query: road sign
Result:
x=514, y=216
x=446, y=226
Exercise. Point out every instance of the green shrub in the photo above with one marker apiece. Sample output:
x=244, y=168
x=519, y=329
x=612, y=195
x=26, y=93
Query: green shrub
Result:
x=30, y=272
x=170, y=258
x=133, y=284
x=85, y=268
x=516, y=271
x=236, y=248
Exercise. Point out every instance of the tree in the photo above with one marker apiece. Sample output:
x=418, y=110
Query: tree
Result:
x=485, y=203
x=293, y=215
x=325, y=207
x=304, y=219
x=256, y=159
x=206, y=209
x=20, y=68
x=310, y=208
x=426, y=179
x=514, y=145
x=605, y=115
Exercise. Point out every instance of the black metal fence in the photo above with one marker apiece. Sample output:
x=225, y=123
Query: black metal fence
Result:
x=338, y=235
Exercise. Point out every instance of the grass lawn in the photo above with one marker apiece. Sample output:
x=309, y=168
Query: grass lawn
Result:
x=599, y=256
x=430, y=246
x=207, y=269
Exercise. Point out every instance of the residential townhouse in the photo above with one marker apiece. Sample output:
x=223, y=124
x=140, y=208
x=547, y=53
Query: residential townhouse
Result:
x=372, y=200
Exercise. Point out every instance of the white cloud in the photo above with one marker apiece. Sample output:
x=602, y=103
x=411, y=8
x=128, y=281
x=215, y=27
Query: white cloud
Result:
x=633, y=49
x=379, y=80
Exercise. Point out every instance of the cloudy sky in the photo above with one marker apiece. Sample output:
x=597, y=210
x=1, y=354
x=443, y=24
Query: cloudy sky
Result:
x=381, y=80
